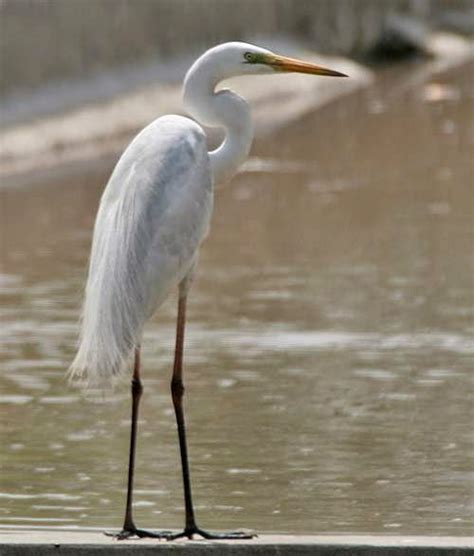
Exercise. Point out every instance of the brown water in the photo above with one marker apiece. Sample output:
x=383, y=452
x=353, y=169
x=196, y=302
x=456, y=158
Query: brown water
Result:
x=329, y=348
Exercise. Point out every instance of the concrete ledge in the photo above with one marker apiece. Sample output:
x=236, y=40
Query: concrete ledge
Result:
x=58, y=543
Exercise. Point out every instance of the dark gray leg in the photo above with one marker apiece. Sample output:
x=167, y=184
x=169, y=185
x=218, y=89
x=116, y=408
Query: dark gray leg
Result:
x=129, y=530
x=177, y=392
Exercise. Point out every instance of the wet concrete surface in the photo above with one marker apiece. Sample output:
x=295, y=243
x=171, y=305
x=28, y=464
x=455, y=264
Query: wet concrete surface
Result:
x=79, y=543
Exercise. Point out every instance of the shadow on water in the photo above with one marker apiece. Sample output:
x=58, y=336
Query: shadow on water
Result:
x=329, y=344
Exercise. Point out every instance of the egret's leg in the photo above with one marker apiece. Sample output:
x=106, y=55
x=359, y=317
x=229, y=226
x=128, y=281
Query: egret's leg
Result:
x=177, y=392
x=137, y=391
x=129, y=529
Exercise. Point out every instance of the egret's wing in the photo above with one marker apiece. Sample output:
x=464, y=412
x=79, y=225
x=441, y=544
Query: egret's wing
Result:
x=153, y=215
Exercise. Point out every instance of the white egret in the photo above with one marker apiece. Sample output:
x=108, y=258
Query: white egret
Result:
x=152, y=218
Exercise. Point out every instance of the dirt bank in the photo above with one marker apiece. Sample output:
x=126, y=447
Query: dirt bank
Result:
x=102, y=129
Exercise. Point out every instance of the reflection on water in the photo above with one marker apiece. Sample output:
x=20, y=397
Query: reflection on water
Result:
x=329, y=346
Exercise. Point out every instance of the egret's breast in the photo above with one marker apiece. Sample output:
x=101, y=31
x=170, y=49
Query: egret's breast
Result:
x=182, y=208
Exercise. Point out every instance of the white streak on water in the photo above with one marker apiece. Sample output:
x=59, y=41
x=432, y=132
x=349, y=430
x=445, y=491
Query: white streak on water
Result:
x=45, y=495
x=297, y=340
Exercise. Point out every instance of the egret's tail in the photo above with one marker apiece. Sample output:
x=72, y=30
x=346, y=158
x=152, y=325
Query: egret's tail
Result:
x=102, y=353
x=114, y=311
x=109, y=335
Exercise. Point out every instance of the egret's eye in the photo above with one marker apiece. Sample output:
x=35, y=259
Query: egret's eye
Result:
x=250, y=57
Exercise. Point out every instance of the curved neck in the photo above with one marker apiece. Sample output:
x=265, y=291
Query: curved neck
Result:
x=222, y=109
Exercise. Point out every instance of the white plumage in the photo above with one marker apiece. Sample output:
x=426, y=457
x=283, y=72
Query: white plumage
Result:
x=153, y=215
x=156, y=208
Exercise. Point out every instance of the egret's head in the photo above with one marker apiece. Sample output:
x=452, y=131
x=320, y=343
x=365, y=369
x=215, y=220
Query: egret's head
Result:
x=259, y=60
x=239, y=58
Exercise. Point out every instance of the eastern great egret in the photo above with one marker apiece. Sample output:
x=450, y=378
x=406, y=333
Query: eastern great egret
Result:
x=152, y=218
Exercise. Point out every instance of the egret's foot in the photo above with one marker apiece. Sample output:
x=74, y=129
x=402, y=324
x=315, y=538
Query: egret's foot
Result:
x=189, y=533
x=135, y=533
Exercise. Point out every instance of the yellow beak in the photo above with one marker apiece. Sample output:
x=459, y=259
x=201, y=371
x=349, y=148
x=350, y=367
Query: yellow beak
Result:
x=282, y=63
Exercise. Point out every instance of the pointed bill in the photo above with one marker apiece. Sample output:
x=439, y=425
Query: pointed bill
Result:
x=282, y=63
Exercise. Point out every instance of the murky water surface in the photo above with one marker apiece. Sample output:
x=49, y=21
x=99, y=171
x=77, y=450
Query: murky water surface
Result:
x=330, y=341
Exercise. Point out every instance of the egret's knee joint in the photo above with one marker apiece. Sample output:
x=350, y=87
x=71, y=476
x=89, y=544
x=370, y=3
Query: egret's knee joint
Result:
x=177, y=388
x=137, y=388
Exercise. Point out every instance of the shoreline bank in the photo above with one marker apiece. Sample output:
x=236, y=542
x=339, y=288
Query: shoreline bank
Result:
x=98, y=131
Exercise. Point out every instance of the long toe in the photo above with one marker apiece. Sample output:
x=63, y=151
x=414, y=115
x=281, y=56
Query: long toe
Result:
x=232, y=535
x=189, y=533
x=135, y=533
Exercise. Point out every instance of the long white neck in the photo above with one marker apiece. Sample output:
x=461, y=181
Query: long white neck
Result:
x=222, y=109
